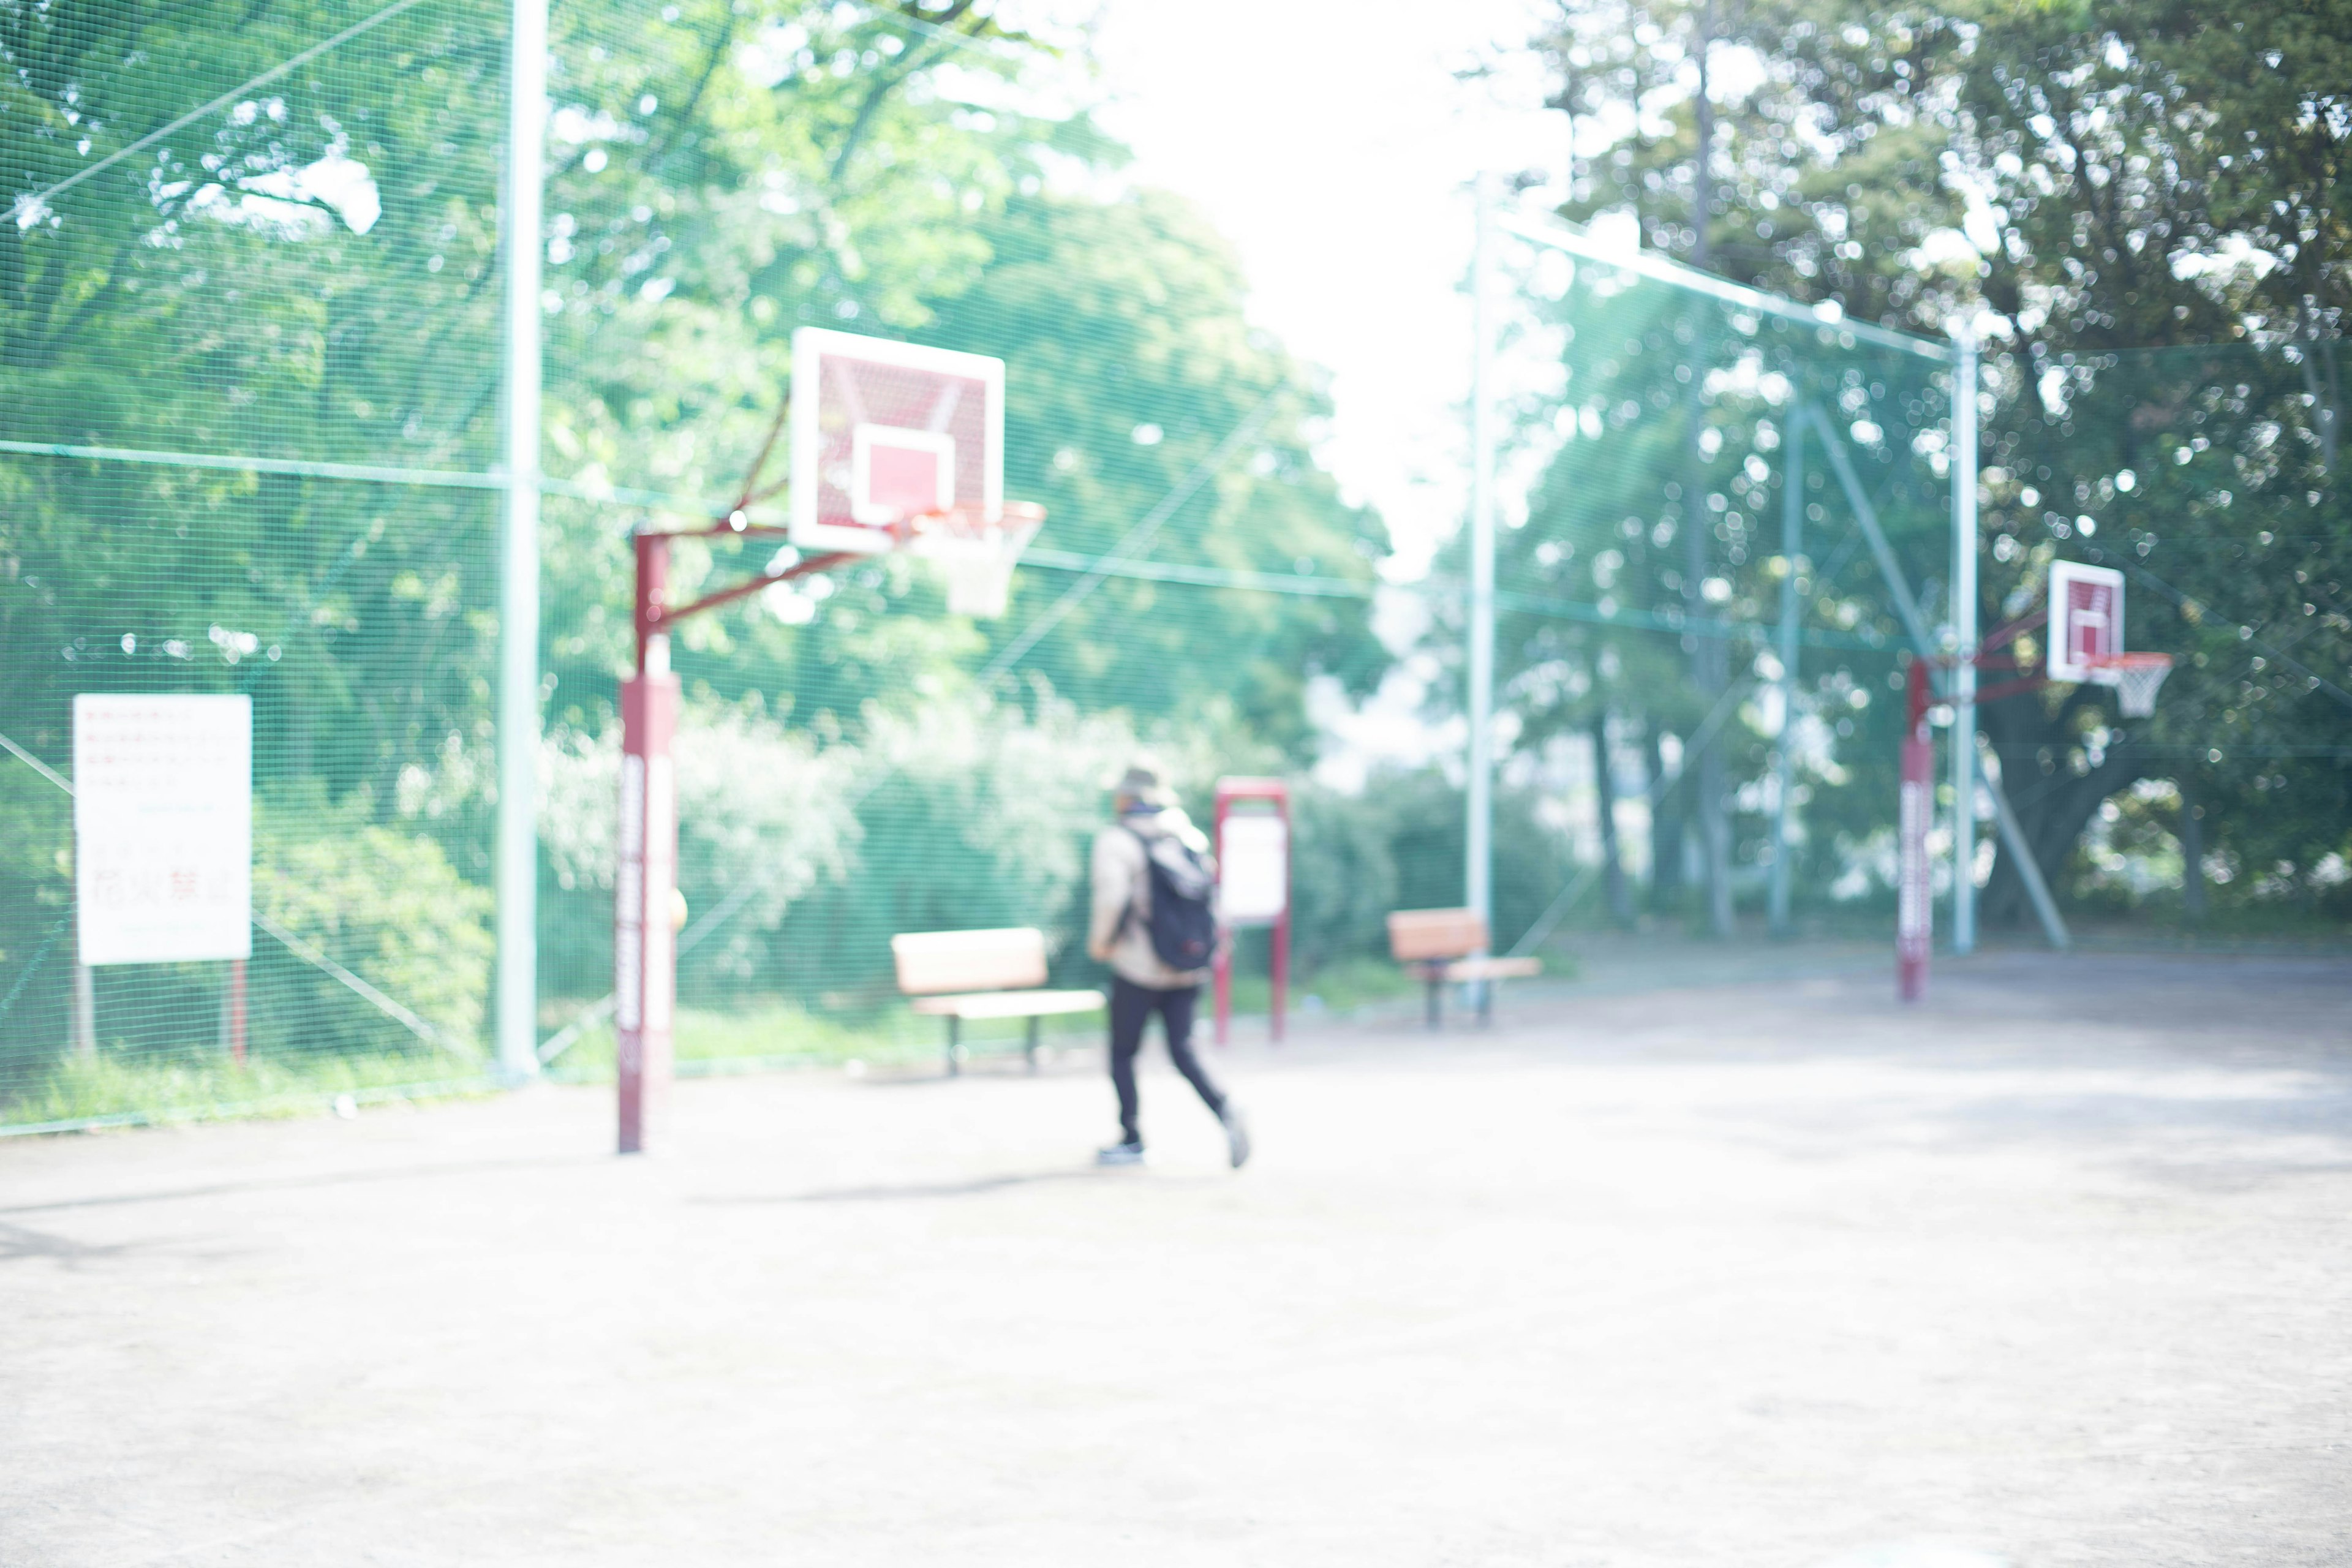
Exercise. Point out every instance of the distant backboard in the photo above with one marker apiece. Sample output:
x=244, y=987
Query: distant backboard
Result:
x=2086, y=619
x=884, y=431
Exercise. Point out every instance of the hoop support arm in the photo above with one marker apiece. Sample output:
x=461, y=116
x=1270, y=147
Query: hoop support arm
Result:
x=1989, y=694
x=660, y=615
x=2015, y=629
x=723, y=528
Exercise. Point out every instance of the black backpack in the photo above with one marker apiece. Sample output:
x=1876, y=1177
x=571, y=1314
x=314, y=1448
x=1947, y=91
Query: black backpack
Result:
x=1183, y=921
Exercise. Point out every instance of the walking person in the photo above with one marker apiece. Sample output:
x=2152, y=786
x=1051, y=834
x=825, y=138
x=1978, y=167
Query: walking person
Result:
x=1154, y=923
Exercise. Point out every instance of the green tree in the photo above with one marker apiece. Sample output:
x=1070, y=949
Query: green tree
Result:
x=2143, y=176
x=2167, y=175
x=309, y=275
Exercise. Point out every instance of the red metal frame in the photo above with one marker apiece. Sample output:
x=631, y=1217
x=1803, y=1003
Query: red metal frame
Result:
x=645, y=952
x=1276, y=793
x=236, y=1015
x=1914, y=902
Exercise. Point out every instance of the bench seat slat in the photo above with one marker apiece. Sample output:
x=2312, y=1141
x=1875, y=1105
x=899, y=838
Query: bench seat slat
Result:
x=1491, y=968
x=1008, y=1003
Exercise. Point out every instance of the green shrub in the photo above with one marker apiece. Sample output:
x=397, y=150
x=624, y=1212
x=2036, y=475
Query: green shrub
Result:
x=386, y=904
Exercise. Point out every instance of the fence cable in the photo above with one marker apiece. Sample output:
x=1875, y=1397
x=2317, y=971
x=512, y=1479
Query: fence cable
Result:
x=308, y=953
x=34, y=202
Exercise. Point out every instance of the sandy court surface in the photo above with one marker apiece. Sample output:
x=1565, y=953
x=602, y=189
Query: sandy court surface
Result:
x=2051, y=1270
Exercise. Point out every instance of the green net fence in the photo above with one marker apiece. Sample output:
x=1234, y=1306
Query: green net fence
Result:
x=1733, y=658
x=248, y=310
x=1772, y=646
x=249, y=306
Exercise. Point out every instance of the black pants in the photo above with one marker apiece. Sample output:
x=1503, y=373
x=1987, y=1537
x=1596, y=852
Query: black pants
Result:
x=1131, y=1006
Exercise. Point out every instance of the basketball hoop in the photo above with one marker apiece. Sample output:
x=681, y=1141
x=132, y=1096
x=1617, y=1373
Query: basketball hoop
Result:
x=974, y=553
x=2135, y=676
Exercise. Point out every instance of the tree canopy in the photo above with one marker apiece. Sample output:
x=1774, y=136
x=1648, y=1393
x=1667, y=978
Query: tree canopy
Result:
x=2144, y=205
x=278, y=319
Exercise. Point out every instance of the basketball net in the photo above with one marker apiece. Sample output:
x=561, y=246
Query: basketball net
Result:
x=2135, y=676
x=974, y=553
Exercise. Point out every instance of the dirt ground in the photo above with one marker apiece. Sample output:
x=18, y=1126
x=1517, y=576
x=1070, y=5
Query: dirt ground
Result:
x=2052, y=1270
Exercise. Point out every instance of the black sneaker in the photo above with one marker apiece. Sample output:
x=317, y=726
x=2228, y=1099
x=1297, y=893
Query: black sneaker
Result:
x=1237, y=1139
x=1127, y=1154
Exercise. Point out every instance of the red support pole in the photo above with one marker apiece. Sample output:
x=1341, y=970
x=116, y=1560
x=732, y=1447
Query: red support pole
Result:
x=1221, y=986
x=653, y=591
x=1913, y=906
x=1281, y=971
x=1220, y=973
x=645, y=957
x=236, y=1010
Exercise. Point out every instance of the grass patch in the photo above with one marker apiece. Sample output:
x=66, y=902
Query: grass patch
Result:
x=776, y=1032
x=110, y=1088
x=1341, y=987
x=773, y=1031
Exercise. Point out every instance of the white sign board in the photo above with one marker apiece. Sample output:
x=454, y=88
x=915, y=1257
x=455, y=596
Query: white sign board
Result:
x=163, y=827
x=1254, y=868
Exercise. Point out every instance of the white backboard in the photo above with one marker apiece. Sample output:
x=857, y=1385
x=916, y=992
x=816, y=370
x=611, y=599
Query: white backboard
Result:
x=2087, y=618
x=1253, y=868
x=882, y=430
x=162, y=827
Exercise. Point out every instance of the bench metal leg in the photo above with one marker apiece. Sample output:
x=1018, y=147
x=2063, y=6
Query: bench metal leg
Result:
x=1029, y=1043
x=1436, y=993
x=1485, y=989
x=955, y=1044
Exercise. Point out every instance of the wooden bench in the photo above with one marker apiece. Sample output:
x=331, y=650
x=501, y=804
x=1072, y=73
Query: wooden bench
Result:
x=1442, y=946
x=959, y=975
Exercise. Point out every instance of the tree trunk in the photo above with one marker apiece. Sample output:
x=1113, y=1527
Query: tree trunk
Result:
x=1710, y=657
x=1612, y=867
x=2052, y=808
x=1665, y=825
x=2192, y=856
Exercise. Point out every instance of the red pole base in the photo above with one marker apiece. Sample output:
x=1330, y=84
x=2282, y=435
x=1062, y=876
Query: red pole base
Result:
x=1913, y=904
x=1281, y=974
x=236, y=1010
x=1220, y=985
x=645, y=956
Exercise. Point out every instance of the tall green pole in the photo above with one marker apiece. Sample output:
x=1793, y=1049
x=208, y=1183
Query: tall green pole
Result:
x=516, y=864
x=1710, y=657
x=1792, y=549
x=1478, y=883
x=1964, y=636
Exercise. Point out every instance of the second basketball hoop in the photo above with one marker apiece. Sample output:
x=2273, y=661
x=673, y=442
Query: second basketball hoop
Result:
x=2086, y=638
x=2136, y=677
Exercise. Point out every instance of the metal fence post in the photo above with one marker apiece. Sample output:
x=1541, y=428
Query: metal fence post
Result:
x=516, y=1004
x=1477, y=884
x=1792, y=545
x=85, y=1012
x=1964, y=629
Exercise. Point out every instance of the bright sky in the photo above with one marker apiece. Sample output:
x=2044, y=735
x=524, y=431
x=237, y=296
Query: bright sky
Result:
x=1331, y=142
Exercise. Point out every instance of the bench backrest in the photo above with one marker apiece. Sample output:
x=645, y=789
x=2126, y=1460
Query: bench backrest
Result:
x=1417, y=934
x=934, y=962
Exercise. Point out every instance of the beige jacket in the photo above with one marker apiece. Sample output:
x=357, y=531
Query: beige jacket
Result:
x=1122, y=881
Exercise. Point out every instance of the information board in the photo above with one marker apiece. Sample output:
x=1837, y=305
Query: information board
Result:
x=1254, y=868
x=162, y=827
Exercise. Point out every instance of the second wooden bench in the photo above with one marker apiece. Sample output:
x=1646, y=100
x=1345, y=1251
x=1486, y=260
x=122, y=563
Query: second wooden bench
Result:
x=961, y=974
x=1442, y=946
